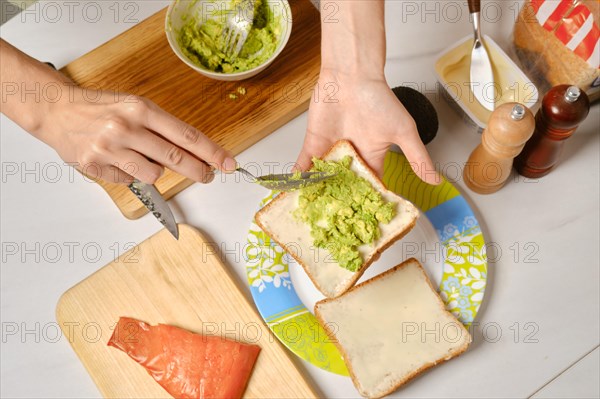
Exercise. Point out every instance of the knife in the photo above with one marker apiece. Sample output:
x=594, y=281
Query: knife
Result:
x=482, y=75
x=155, y=203
x=287, y=181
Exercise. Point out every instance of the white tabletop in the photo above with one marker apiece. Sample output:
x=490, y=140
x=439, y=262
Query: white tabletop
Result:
x=58, y=229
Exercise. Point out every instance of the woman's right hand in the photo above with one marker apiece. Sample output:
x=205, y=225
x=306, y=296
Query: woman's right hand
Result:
x=118, y=137
x=110, y=136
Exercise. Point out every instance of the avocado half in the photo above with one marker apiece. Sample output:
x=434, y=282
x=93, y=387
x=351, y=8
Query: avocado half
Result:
x=421, y=110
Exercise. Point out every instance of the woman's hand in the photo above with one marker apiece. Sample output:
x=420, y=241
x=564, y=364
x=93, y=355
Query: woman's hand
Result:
x=111, y=136
x=121, y=137
x=352, y=99
x=366, y=112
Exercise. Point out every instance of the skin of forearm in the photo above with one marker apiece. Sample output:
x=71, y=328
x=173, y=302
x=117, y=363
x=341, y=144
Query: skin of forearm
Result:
x=124, y=136
x=29, y=89
x=353, y=37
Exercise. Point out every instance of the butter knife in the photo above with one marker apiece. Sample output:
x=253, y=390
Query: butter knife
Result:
x=288, y=181
x=156, y=204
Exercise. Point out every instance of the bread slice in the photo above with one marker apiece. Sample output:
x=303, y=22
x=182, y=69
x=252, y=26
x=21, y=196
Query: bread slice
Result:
x=294, y=236
x=391, y=328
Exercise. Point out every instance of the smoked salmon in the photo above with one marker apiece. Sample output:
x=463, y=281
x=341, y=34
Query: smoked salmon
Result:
x=185, y=364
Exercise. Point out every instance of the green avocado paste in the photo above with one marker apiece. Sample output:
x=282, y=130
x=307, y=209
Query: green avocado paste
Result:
x=203, y=43
x=343, y=212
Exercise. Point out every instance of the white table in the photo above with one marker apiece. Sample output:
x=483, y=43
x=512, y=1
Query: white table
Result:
x=44, y=215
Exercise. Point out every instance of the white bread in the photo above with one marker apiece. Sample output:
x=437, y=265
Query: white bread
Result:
x=294, y=236
x=391, y=328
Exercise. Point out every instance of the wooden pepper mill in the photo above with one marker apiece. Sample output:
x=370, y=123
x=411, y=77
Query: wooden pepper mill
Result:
x=564, y=107
x=490, y=164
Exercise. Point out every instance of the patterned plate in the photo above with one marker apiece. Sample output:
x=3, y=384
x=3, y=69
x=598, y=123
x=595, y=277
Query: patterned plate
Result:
x=463, y=274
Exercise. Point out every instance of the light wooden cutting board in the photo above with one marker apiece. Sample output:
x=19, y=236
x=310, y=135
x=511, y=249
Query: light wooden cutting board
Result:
x=182, y=283
x=140, y=62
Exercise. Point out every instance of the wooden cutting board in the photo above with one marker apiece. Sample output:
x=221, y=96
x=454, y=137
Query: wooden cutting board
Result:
x=140, y=62
x=182, y=283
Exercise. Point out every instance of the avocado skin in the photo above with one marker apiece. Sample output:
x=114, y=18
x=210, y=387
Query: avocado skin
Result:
x=421, y=110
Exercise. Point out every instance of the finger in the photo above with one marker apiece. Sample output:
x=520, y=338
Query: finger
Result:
x=419, y=159
x=375, y=160
x=138, y=166
x=313, y=146
x=189, y=138
x=116, y=175
x=171, y=156
x=304, y=160
x=107, y=173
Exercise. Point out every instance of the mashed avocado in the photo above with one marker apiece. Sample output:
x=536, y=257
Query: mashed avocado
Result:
x=343, y=212
x=202, y=43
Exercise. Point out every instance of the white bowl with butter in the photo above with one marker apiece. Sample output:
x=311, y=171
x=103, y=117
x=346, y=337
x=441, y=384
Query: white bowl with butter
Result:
x=452, y=70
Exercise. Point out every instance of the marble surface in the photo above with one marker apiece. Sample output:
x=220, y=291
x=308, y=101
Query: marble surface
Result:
x=578, y=381
x=537, y=332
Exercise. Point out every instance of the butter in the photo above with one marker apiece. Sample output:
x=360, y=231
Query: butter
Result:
x=392, y=327
x=511, y=84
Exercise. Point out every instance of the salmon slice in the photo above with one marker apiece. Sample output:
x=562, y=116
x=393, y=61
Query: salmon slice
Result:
x=185, y=364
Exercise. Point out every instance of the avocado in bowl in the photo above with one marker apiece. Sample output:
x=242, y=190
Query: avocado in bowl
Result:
x=195, y=32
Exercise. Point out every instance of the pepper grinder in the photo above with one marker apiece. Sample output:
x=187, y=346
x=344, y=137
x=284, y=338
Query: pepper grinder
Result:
x=564, y=107
x=490, y=164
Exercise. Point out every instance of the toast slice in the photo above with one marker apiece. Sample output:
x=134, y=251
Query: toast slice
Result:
x=277, y=220
x=391, y=328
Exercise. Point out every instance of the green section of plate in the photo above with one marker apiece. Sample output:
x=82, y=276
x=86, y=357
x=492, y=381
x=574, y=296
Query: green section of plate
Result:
x=465, y=274
x=304, y=336
x=399, y=178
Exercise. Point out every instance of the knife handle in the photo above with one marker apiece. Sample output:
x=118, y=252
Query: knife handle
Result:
x=474, y=6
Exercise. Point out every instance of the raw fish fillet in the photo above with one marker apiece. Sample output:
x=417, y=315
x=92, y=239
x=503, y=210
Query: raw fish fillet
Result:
x=185, y=364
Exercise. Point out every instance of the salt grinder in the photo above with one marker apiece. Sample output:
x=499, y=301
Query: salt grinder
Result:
x=564, y=107
x=489, y=165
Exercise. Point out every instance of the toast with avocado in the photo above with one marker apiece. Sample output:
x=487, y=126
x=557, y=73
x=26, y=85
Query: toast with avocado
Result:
x=337, y=228
x=391, y=328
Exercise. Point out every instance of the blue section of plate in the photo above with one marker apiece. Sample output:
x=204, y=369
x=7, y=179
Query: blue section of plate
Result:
x=452, y=216
x=276, y=302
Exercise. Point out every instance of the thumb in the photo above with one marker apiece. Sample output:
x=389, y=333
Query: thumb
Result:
x=420, y=161
x=314, y=146
x=375, y=160
x=304, y=160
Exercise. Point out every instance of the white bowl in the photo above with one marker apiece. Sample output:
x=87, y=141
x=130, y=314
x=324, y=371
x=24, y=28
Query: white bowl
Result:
x=511, y=83
x=179, y=10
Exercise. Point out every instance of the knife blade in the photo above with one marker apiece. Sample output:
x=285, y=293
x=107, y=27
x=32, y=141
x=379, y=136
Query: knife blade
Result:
x=291, y=181
x=481, y=73
x=287, y=181
x=156, y=204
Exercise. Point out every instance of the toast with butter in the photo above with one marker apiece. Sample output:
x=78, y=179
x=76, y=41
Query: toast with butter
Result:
x=391, y=328
x=277, y=219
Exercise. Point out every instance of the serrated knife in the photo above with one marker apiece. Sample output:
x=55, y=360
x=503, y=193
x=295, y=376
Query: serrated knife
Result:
x=156, y=204
x=482, y=74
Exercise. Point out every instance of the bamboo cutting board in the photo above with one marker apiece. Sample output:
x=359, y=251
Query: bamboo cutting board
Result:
x=182, y=283
x=140, y=62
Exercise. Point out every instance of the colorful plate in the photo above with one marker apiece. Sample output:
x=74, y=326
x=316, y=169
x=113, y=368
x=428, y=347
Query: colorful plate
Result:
x=463, y=274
